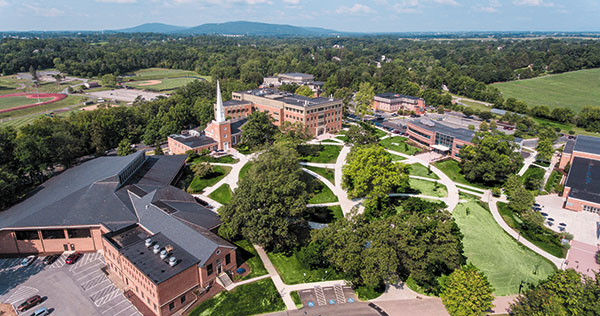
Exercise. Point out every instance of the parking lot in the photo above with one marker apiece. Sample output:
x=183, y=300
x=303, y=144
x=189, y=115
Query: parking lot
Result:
x=78, y=289
x=332, y=295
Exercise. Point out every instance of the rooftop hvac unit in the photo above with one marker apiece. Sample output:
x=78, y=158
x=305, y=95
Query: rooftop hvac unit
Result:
x=156, y=249
x=172, y=261
x=148, y=242
x=163, y=254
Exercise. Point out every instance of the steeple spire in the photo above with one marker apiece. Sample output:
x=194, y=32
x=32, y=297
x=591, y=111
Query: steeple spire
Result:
x=220, y=116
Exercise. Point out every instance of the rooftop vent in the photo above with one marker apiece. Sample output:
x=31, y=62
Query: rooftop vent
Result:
x=169, y=248
x=172, y=261
x=156, y=249
x=164, y=254
x=148, y=242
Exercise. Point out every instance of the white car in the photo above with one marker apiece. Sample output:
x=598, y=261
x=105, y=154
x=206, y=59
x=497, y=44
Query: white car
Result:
x=28, y=261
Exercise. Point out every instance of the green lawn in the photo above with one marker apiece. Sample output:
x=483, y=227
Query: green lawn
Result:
x=565, y=127
x=258, y=297
x=245, y=169
x=198, y=184
x=417, y=169
x=165, y=85
x=476, y=105
x=572, y=89
x=320, y=192
x=250, y=256
x=296, y=298
x=319, y=153
x=222, y=194
x=24, y=116
x=222, y=159
x=11, y=102
x=398, y=143
x=160, y=73
x=343, y=138
x=324, y=215
x=543, y=237
x=292, y=272
x=553, y=181
x=397, y=158
x=505, y=262
x=533, y=171
x=428, y=188
x=327, y=173
x=452, y=169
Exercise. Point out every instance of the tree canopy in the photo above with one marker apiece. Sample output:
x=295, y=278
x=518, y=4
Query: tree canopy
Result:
x=467, y=292
x=259, y=130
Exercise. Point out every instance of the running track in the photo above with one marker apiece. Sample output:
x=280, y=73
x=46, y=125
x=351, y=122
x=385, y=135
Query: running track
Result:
x=55, y=96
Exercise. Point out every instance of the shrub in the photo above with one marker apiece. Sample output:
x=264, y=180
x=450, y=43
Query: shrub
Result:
x=496, y=192
x=598, y=257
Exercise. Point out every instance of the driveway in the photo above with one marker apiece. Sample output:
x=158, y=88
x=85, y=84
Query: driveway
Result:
x=581, y=224
x=78, y=289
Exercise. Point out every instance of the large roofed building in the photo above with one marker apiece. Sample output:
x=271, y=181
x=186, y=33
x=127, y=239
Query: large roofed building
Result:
x=441, y=138
x=154, y=236
x=296, y=78
x=393, y=102
x=582, y=186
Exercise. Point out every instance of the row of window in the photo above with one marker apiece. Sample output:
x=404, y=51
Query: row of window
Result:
x=589, y=208
x=419, y=133
x=209, y=267
x=53, y=234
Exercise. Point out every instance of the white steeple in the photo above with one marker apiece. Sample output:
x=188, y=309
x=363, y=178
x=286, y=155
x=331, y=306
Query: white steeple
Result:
x=220, y=108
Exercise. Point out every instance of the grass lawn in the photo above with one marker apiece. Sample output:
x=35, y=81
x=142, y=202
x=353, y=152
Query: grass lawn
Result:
x=250, y=256
x=398, y=143
x=292, y=272
x=343, y=138
x=330, y=141
x=552, y=182
x=296, y=298
x=164, y=85
x=476, y=105
x=159, y=73
x=223, y=159
x=428, y=188
x=198, y=184
x=245, y=169
x=11, y=102
x=327, y=173
x=320, y=192
x=565, y=127
x=25, y=116
x=574, y=89
x=504, y=261
x=397, y=158
x=319, y=153
x=324, y=215
x=451, y=168
x=533, y=171
x=417, y=169
x=258, y=297
x=544, y=238
x=222, y=194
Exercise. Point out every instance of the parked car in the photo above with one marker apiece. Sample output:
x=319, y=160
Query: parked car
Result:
x=396, y=131
x=29, y=303
x=72, y=258
x=50, y=259
x=537, y=205
x=28, y=261
x=544, y=214
x=41, y=312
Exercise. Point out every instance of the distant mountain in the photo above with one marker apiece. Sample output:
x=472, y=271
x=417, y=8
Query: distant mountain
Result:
x=153, y=28
x=232, y=28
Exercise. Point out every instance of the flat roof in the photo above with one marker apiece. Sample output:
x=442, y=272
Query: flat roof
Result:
x=569, y=146
x=194, y=141
x=235, y=102
x=587, y=144
x=393, y=95
x=458, y=133
x=584, y=179
x=287, y=97
x=297, y=74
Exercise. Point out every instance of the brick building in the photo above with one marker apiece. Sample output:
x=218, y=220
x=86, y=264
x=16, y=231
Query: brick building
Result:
x=393, y=102
x=582, y=185
x=440, y=138
x=296, y=78
x=155, y=237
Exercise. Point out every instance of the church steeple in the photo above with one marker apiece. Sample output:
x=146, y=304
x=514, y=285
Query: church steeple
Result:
x=220, y=116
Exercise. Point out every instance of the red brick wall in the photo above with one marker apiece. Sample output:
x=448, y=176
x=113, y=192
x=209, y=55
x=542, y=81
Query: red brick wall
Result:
x=206, y=279
x=8, y=243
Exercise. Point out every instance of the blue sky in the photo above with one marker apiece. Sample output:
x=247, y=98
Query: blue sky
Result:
x=357, y=16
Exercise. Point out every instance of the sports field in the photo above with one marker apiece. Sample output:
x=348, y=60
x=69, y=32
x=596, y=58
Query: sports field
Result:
x=505, y=262
x=163, y=73
x=161, y=84
x=572, y=89
x=11, y=102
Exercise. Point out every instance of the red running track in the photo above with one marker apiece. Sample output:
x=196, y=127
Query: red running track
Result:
x=55, y=96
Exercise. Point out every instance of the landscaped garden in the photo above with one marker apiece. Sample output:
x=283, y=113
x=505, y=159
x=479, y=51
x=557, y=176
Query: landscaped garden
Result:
x=553, y=183
x=320, y=192
x=399, y=144
x=222, y=194
x=324, y=214
x=533, y=177
x=200, y=183
x=245, y=169
x=452, y=169
x=293, y=272
x=326, y=173
x=209, y=158
x=319, y=153
x=258, y=297
x=417, y=169
x=429, y=188
x=249, y=255
x=506, y=263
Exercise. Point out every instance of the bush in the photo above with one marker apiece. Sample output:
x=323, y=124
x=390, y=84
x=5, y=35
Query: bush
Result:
x=598, y=257
x=496, y=192
x=311, y=256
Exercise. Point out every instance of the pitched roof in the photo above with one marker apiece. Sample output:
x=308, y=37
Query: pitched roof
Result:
x=584, y=179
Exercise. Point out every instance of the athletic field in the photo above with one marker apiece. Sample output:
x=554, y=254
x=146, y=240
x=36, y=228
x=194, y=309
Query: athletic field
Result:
x=505, y=262
x=11, y=102
x=572, y=89
x=163, y=73
x=161, y=84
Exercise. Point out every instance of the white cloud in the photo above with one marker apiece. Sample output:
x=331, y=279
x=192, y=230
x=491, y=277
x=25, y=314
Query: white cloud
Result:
x=292, y=1
x=447, y=2
x=3, y=3
x=534, y=3
x=357, y=8
x=491, y=7
x=225, y=3
x=47, y=12
x=117, y=1
x=412, y=6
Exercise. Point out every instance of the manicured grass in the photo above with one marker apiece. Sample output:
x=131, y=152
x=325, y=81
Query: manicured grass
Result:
x=366, y=293
x=452, y=169
x=249, y=299
x=399, y=144
x=533, y=171
x=250, y=256
x=11, y=102
x=292, y=272
x=330, y=141
x=327, y=173
x=320, y=192
x=296, y=298
x=319, y=153
x=222, y=194
x=572, y=89
x=417, y=169
x=542, y=237
x=505, y=262
x=198, y=184
x=552, y=182
x=476, y=105
x=245, y=169
x=324, y=215
x=24, y=116
x=159, y=73
x=397, y=158
x=222, y=159
x=565, y=127
x=428, y=188
x=343, y=138
x=164, y=85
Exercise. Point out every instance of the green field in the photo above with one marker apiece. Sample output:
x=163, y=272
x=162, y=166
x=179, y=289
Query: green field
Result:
x=572, y=89
x=198, y=184
x=320, y=193
x=11, y=102
x=505, y=262
x=319, y=153
x=399, y=144
x=326, y=173
x=417, y=169
x=222, y=194
x=245, y=169
x=161, y=73
x=452, y=169
x=293, y=272
x=428, y=188
x=164, y=85
x=250, y=256
x=25, y=116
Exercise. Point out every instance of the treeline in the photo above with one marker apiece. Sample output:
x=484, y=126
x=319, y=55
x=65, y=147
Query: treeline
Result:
x=28, y=155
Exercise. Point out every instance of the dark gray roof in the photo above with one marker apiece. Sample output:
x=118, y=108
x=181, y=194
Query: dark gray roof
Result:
x=297, y=74
x=569, y=146
x=458, y=133
x=287, y=97
x=584, y=179
x=236, y=125
x=587, y=144
x=392, y=95
x=194, y=141
x=235, y=102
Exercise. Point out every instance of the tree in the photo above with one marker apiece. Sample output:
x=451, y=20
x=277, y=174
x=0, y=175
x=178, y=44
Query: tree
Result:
x=359, y=135
x=493, y=126
x=202, y=169
x=345, y=94
x=467, y=292
x=484, y=127
x=258, y=130
x=304, y=91
x=269, y=202
x=58, y=78
x=158, y=150
x=512, y=184
x=125, y=148
x=363, y=99
x=522, y=200
x=544, y=150
x=468, y=111
x=109, y=80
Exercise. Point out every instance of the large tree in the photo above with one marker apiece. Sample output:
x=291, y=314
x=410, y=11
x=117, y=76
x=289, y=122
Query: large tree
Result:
x=125, y=148
x=360, y=135
x=467, y=292
x=258, y=130
x=544, y=150
x=363, y=99
x=269, y=202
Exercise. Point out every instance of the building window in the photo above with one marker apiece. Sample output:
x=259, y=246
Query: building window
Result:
x=171, y=306
x=27, y=235
x=182, y=299
x=218, y=252
x=227, y=259
x=592, y=209
x=419, y=133
x=209, y=269
x=154, y=306
x=79, y=233
x=53, y=234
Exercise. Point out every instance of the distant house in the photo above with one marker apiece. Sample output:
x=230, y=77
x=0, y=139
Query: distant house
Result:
x=393, y=102
x=91, y=84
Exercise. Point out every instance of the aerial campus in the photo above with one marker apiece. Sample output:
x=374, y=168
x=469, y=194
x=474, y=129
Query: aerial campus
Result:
x=246, y=168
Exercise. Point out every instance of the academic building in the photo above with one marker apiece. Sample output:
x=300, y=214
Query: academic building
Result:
x=582, y=185
x=440, y=138
x=393, y=102
x=154, y=237
x=296, y=78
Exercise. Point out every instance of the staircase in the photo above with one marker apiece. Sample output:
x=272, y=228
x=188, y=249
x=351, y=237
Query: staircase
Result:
x=224, y=280
x=339, y=294
x=320, y=296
